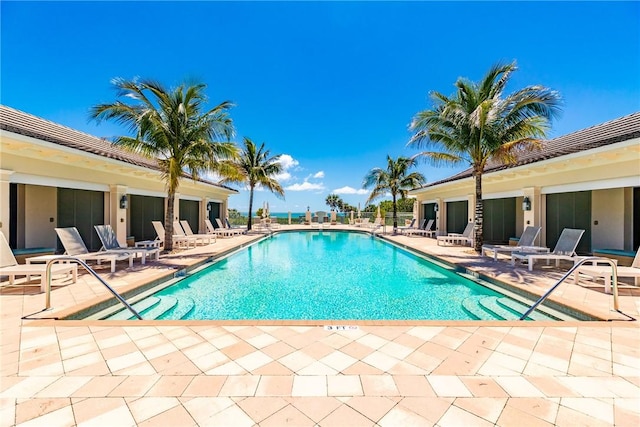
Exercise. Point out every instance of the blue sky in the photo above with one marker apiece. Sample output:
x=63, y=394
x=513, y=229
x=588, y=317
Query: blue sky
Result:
x=330, y=85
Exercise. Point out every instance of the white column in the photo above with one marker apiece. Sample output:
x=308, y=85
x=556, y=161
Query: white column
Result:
x=4, y=201
x=118, y=217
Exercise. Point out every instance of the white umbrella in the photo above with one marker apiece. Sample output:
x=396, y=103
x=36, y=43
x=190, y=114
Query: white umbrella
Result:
x=358, y=210
x=267, y=211
x=379, y=216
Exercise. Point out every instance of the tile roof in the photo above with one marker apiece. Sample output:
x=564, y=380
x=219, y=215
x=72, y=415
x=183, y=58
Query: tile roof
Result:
x=22, y=123
x=618, y=130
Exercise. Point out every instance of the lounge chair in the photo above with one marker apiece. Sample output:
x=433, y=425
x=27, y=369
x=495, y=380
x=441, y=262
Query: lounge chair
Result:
x=179, y=240
x=186, y=227
x=110, y=243
x=525, y=244
x=406, y=228
x=230, y=227
x=228, y=231
x=424, y=230
x=464, y=238
x=10, y=267
x=377, y=223
x=218, y=232
x=605, y=272
x=565, y=249
x=272, y=222
x=364, y=222
x=74, y=246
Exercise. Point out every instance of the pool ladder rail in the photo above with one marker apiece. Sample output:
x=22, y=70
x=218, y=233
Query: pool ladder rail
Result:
x=90, y=271
x=614, y=284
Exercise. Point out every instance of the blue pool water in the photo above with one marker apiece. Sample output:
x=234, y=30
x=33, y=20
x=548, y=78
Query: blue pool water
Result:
x=323, y=275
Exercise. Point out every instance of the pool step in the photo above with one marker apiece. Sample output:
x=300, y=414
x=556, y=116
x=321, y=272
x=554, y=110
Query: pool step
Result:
x=140, y=306
x=472, y=306
x=166, y=304
x=184, y=307
x=521, y=308
x=490, y=304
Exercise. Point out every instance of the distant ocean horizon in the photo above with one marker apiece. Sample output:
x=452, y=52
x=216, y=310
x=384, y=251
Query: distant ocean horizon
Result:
x=286, y=214
x=278, y=214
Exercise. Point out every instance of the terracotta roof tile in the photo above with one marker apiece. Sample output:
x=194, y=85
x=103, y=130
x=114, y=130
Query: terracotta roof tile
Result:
x=22, y=123
x=618, y=130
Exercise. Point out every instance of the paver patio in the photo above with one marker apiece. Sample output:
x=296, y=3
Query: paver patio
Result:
x=274, y=373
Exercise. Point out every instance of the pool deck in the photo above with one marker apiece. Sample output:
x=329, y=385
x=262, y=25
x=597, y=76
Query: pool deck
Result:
x=247, y=373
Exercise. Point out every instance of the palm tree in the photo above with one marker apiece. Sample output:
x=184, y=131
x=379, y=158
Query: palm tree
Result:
x=171, y=127
x=396, y=180
x=478, y=125
x=333, y=201
x=255, y=167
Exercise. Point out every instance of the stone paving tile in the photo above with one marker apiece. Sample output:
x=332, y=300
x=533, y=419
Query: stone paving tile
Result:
x=289, y=416
x=487, y=408
x=176, y=416
x=576, y=374
x=374, y=408
x=456, y=416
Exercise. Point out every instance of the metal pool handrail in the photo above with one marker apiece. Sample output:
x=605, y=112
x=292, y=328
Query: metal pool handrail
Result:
x=614, y=270
x=90, y=271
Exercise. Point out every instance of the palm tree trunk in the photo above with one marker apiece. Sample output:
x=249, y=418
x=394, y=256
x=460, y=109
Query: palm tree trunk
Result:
x=395, y=214
x=250, y=207
x=168, y=220
x=479, y=213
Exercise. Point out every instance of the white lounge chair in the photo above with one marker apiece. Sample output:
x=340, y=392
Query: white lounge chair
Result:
x=605, y=272
x=565, y=249
x=228, y=231
x=74, y=246
x=186, y=228
x=364, y=222
x=424, y=230
x=10, y=267
x=464, y=238
x=525, y=244
x=110, y=243
x=377, y=223
x=178, y=240
x=271, y=223
x=411, y=226
x=231, y=227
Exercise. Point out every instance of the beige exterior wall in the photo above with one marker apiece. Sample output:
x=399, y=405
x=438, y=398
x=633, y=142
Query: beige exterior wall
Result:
x=609, y=172
x=41, y=167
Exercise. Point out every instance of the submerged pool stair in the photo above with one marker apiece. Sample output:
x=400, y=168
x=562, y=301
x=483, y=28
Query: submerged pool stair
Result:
x=156, y=307
x=499, y=308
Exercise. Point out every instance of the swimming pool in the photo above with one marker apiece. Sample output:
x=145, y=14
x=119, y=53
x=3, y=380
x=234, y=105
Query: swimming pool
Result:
x=318, y=275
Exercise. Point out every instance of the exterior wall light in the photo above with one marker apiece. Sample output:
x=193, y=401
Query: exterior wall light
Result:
x=526, y=204
x=124, y=203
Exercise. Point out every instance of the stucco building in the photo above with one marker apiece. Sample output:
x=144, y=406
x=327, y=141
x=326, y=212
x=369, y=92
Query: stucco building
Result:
x=53, y=176
x=589, y=179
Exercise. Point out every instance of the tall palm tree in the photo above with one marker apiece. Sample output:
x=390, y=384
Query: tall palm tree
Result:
x=395, y=180
x=332, y=200
x=255, y=167
x=172, y=127
x=478, y=125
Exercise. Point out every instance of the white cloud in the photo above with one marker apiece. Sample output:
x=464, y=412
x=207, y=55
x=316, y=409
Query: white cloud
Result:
x=319, y=174
x=349, y=190
x=305, y=186
x=288, y=162
x=283, y=176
